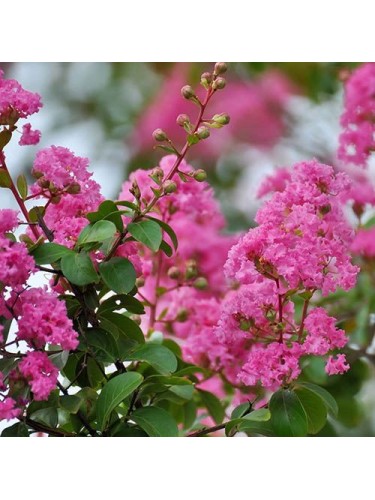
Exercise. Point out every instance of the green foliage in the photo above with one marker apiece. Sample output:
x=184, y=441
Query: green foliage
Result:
x=155, y=421
x=113, y=393
x=79, y=269
x=118, y=274
x=288, y=417
x=147, y=232
x=49, y=253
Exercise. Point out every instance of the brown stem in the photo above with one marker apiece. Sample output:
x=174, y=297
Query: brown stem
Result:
x=207, y=430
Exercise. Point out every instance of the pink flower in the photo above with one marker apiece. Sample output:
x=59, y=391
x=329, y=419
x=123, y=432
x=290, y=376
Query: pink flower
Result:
x=8, y=220
x=322, y=335
x=364, y=242
x=8, y=409
x=43, y=319
x=357, y=139
x=337, y=365
x=16, y=264
x=29, y=137
x=40, y=373
x=16, y=102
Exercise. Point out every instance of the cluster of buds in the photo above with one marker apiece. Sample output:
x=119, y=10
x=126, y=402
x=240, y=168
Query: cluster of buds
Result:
x=51, y=191
x=188, y=276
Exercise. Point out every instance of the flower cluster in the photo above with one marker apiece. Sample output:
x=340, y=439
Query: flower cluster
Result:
x=63, y=179
x=301, y=245
x=358, y=120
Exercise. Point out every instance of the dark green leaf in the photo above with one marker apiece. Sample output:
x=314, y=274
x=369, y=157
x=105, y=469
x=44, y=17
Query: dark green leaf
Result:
x=22, y=186
x=117, y=302
x=103, y=344
x=35, y=212
x=147, y=232
x=48, y=416
x=128, y=204
x=118, y=324
x=70, y=403
x=240, y=410
x=98, y=232
x=167, y=228
x=155, y=421
x=314, y=407
x=107, y=211
x=118, y=274
x=79, y=269
x=327, y=398
x=167, y=249
x=213, y=405
x=124, y=430
x=115, y=391
x=288, y=417
x=183, y=391
x=263, y=428
x=16, y=430
x=5, y=137
x=158, y=356
x=50, y=252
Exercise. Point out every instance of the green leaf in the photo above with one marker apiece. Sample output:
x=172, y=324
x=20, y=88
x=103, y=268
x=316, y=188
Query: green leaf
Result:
x=16, y=430
x=128, y=204
x=183, y=391
x=48, y=416
x=314, y=407
x=117, y=302
x=261, y=415
x=79, y=269
x=70, y=403
x=107, y=211
x=124, y=430
x=103, y=344
x=115, y=391
x=118, y=324
x=50, y=252
x=35, y=211
x=253, y=427
x=147, y=232
x=288, y=418
x=59, y=359
x=22, y=186
x=167, y=249
x=118, y=274
x=155, y=421
x=5, y=137
x=97, y=233
x=213, y=405
x=327, y=398
x=5, y=180
x=240, y=410
x=158, y=356
x=167, y=228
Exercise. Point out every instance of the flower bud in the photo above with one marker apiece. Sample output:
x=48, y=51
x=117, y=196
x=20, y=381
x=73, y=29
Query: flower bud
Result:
x=200, y=175
x=200, y=283
x=139, y=282
x=219, y=84
x=134, y=190
x=73, y=188
x=191, y=269
x=159, y=135
x=222, y=119
x=182, y=119
x=170, y=187
x=174, y=273
x=187, y=92
x=220, y=68
x=182, y=315
x=206, y=79
x=203, y=132
x=157, y=175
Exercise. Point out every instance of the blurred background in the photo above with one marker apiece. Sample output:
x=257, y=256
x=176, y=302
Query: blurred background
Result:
x=280, y=113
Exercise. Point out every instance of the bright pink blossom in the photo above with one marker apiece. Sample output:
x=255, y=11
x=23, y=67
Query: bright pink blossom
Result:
x=337, y=365
x=29, y=137
x=364, y=242
x=43, y=320
x=322, y=336
x=358, y=120
x=8, y=409
x=8, y=220
x=16, y=102
x=40, y=373
x=16, y=264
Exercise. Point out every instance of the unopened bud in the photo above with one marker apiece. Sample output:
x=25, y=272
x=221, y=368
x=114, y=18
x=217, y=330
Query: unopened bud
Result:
x=191, y=269
x=74, y=188
x=219, y=84
x=170, y=187
x=139, y=282
x=182, y=315
x=55, y=199
x=206, y=79
x=157, y=175
x=43, y=183
x=200, y=175
x=135, y=189
x=182, y=119
x=220, y=68
x=203, y=132
x=222, y=119
x=200, y=283
x=187, y=92
x=159, y=135
x=245, y=325
x=174, y=273
x=36, y=174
